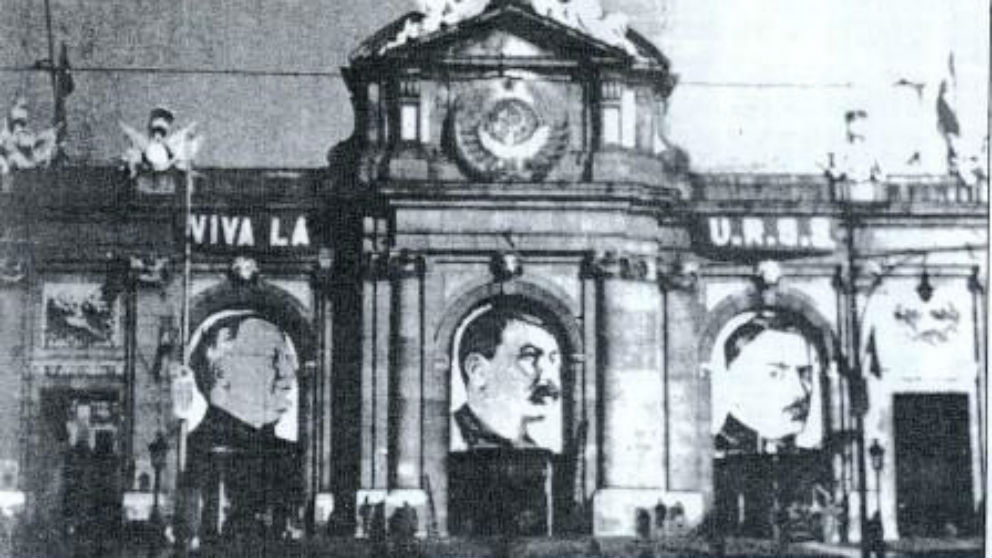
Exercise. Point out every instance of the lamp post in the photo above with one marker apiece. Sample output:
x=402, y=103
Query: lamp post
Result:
x=859, y=394
x=877, y=453
x=859, y=388
x=158, y=449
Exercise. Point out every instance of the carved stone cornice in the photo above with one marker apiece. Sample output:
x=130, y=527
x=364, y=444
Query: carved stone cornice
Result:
x=620, y=265
x=393, y=265
x=678, y=275
x=405, y=264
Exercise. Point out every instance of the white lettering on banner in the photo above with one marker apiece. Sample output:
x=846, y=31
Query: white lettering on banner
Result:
x=274, y=238
x=247, y=236
x=230, y=225
x=719, y=231
x=197, y=227
x=788, y=232
x=300, y=235
x=772, y=233
x=239, y=231
x=754, y=231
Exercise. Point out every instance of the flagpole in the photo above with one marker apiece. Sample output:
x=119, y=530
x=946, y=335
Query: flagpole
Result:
x=182, y=534
x=53, y=71
x=859, y=387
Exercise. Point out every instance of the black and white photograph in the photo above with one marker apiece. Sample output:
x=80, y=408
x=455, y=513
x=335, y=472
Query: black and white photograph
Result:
x=494, y=278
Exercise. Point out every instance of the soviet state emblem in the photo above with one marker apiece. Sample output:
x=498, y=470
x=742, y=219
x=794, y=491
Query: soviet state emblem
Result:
x=510, y=129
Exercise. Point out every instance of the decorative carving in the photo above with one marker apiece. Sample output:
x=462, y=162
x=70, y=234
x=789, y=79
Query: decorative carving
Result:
x=152, y=271
x=21, y=147
x=12, y=270
x=405, y=264
x=505, y=266
x=767, y=274
x=510, y=129
x=856, y=163
x=680, y=275
x=585, y=16
x=244, y=270
x=159, y=151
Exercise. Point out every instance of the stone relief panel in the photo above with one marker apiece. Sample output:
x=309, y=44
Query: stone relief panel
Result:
x=78, y=315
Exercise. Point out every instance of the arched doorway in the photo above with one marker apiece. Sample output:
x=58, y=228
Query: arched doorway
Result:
x=246, y=456
x=770, y=389
x=511, y=460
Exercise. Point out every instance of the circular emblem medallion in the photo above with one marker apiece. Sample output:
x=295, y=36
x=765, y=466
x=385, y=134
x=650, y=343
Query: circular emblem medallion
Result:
x=511, y=122
x=509, y=130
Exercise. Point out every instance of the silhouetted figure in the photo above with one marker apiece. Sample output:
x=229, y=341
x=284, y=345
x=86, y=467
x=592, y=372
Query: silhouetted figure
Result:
x=642, y=523
x=875, y=535
x=365, y=515
x=377, y=525
x=660, y=513
x=403, y=529
x=676, y=514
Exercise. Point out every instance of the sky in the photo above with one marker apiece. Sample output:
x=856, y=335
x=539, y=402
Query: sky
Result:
x=763, y=84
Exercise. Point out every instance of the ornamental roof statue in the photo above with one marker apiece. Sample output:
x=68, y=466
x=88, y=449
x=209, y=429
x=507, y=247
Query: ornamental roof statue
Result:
x=855, y=159
x=160, y=150
x=20, y=146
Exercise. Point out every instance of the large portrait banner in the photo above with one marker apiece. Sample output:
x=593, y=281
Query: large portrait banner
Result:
x=506, y=382
x=246, y=377
x=765, y=372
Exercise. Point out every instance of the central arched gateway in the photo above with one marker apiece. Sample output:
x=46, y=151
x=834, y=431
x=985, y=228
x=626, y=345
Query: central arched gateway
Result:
x=515, y=429
x=509, y=411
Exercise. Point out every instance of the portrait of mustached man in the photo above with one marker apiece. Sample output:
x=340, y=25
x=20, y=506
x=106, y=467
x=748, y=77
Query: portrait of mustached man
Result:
x=510, y=367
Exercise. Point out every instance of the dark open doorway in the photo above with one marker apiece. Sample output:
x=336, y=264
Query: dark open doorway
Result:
x=933, y=464
x=76, y=474
x=501, y=492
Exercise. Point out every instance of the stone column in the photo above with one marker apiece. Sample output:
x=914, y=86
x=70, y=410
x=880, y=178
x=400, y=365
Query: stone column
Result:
x=632, y=437
x=406, y=384
x=376, y=294
x=688, y=406
x=632, y=397
x=322, y=285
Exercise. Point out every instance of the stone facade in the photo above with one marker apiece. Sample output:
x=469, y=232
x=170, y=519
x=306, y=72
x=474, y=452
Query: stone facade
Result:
x=506, y=159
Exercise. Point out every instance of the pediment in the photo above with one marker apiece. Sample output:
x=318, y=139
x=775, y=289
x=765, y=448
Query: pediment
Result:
x=510, y=30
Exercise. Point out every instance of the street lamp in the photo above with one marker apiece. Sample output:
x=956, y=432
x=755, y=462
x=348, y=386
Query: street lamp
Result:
x=158, y=450
x=877, y=453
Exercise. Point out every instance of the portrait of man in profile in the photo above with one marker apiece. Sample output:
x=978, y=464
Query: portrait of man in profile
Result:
x=246, y=369
x=509, y=367
x=765, y=391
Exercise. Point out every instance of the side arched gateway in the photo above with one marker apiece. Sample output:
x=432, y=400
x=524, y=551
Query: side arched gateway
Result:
x=246, y=455
x=771, y=384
